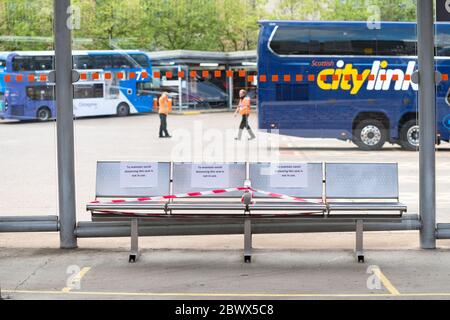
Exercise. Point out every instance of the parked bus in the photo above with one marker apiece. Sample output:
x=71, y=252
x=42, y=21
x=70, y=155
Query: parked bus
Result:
x=348, y=81
x=93, y=96
x=2, y=82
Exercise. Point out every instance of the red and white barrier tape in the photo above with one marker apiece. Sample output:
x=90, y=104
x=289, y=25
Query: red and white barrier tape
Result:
x=203, y=193
x=159, y=215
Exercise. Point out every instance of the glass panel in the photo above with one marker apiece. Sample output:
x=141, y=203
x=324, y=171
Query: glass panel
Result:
x=102, y=61
x=40, y=93
x=84, y=62
x=140, y=59
x=33, y=63
x=28, y=179
x=442, y=34
x=291, y=41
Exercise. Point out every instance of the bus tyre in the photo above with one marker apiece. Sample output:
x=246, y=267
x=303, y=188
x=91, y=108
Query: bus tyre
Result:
x=370, y=135
x=123, y=110
x=43, y=114
x=409, y=135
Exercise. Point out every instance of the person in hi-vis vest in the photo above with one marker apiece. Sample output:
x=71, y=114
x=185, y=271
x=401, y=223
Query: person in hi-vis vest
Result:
x=165, y=107
x=244, y=109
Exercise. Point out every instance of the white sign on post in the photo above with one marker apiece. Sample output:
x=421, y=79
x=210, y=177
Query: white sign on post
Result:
x=138, y=174
x=289, y=176
x=208, y=176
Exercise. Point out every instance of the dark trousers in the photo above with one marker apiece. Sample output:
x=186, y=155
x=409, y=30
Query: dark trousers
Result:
x=244, y=123
x=163, y=128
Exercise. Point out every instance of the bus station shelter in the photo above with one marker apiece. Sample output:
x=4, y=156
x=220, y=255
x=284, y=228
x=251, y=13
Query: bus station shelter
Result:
x=188, y=61
x=210, y=68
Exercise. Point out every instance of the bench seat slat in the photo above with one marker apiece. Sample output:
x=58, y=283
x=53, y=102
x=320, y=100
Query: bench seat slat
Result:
x=367, y=206
x=261, y=206
x=127, y=206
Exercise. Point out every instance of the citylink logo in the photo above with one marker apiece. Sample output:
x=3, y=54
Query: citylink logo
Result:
x=379, y=78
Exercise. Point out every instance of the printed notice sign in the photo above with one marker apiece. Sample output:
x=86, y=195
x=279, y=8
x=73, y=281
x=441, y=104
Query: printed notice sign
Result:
x=289, y=176
x=210, y=176
x=138, y=175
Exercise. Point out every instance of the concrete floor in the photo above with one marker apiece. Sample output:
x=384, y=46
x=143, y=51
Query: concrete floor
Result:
x=221, y=274
x=285, y=266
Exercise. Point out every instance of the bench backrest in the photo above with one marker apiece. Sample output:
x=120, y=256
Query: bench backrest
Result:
x=185, y=180
x=110, y=181
x=262, y=178
x=361, y=181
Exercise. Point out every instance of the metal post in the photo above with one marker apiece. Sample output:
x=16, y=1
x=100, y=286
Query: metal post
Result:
x=248, y=240
x=230, y=93
x=134, y=250
x=427, y=123
x=359, y=250
x=188, y=89
x=65, y=134
x=180, y=90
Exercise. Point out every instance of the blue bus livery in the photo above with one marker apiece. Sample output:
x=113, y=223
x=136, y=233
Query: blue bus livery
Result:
x=32, y=97
x=347, y=81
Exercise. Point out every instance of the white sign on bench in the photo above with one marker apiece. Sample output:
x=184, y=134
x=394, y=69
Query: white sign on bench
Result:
x=138, y=174
x=210, y=176
x=289, y=176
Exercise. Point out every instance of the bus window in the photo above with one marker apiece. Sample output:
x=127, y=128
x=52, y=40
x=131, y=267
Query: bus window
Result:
x=442, y=40
x=83, y=62
x=141, y=60
x=41, y=93
x=98, y=91
x=344, y=40
x=144, y=88
x=291, y=41
x=102, y=62
x=122, y=62
x=36, y=63
x=2, y=63
x=88, y=91
x=397, y=41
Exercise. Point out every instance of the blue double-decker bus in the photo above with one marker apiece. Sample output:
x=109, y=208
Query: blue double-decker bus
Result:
x=2, y=81
x=115, y=83
x=347, y=80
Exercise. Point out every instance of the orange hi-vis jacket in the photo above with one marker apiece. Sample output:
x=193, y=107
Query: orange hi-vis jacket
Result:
x=165, y=105
x=245, y=106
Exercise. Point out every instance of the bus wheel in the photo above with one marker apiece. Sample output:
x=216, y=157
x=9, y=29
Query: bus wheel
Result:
x=123, y=110
x=370, y=135
x=409, y=136
x=44, y=114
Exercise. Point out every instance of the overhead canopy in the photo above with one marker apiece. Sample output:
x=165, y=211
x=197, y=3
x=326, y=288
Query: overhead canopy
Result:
x=179, y=57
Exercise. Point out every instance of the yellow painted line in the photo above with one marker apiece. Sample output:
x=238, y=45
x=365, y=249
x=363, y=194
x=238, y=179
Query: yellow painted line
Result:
x=191, y=113
x=386, y=283
x=236, y=295
x=77, y=278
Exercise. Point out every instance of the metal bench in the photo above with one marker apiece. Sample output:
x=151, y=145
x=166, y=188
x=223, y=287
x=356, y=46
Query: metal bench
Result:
x=334, y=194
x=220, y=205
x=108, y=186
x=363, y=188
x=260, y=177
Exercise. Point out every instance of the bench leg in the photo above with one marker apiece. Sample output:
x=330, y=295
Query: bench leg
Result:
x=248, y=241
x=359, y=241
x=134, y=252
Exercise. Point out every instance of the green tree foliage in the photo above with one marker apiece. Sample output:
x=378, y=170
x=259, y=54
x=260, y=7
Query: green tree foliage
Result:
x=382, y=10
x=217, y=25
x=298, y=9
x=25, y=25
